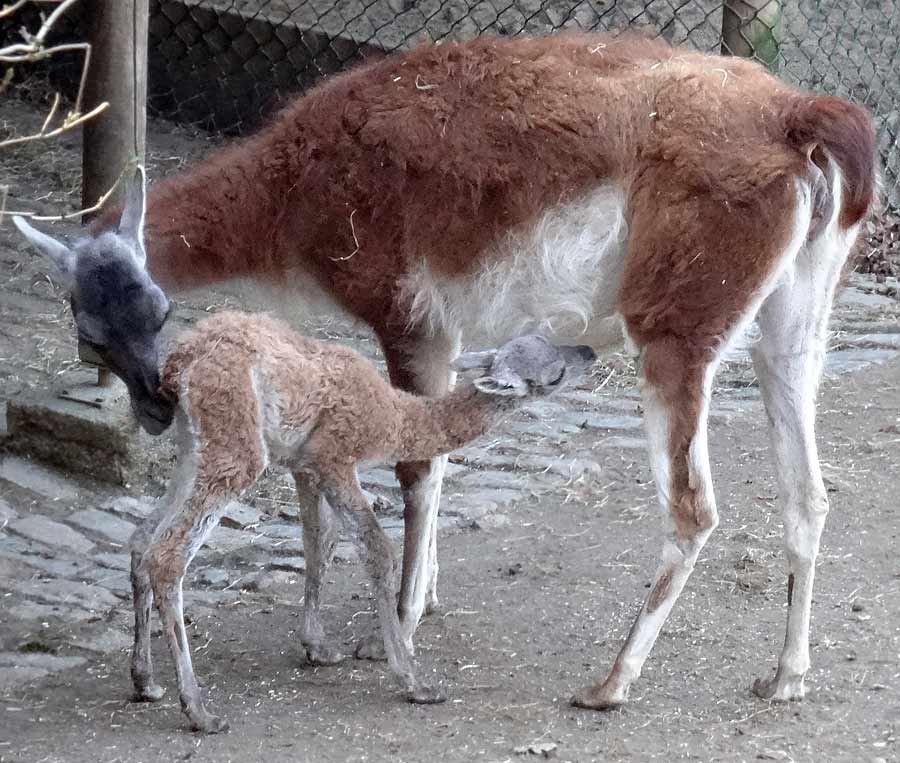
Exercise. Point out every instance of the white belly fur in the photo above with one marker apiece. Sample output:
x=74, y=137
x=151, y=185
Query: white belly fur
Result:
x=560, y=277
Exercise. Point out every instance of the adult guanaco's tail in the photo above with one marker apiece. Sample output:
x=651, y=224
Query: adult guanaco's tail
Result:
x=846, y=134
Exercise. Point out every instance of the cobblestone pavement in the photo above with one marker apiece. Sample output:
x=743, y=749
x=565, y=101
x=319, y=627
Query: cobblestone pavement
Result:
x=64, y=568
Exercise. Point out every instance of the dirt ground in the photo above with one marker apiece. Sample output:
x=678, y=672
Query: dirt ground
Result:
x=530, y=611
x=534, y=610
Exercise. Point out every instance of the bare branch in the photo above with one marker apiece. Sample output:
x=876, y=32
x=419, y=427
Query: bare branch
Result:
x=30, y=49
x=9, y=10
x=59, y=218
x=71, y=120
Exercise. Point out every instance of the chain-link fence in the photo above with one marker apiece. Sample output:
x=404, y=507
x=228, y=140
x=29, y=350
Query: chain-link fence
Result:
x=225, y=64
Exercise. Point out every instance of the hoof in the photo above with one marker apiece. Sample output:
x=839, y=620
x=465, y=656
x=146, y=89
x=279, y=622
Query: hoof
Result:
x=596, y=698
x=371, y=648
x=148, y=693
x=210, y=724
x=776, y=690
x=324, y=656
x=426, y=695
x=432, y=605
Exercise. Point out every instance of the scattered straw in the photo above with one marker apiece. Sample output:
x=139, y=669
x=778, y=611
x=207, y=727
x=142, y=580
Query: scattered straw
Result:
x=355, y=241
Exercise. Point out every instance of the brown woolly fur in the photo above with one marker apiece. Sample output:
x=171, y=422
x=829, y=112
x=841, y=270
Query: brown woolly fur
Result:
x=434, y=155
x=251, y=392
x=328, y=389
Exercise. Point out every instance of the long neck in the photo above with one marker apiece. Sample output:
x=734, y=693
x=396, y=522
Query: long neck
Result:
x=202, y=226
x=435, y=426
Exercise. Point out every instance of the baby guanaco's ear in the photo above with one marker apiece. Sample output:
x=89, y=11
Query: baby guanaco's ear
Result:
x=490, y=385
x=474, y=361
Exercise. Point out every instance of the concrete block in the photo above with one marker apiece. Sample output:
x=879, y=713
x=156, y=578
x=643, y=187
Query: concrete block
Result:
x=80, y=427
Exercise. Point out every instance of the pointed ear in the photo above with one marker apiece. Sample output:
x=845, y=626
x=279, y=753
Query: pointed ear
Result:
x=491, y=386
x=470, y=361
x=62, y=256
x=131, y=224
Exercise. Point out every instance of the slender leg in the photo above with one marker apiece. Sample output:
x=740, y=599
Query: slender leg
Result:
x=165, y=563
x=675, y=387
x=319, y=538
x=432, y=603
x=222, y=454
x=421, y=366
x=788, y=360
x=145, y=688
x=377, y=550
x=421, y=483
x=171, y=614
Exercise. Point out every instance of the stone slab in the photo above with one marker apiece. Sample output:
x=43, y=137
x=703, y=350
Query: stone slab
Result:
x=858, y=298
x=215, y=577
x=113, y=561
x=118, y=582
x=130, y=507
x=239, y=516
x=37, y=478
x=587, y=420
x=562, y=466
x=872, y=340
x=457, y=503
x=623, y=443
x=502, y=480
x=290, y=563
x=57, y=567
x=846, y=361
x=66, y=593
x=283, y=530
x=17, y=669
x=109, y=640
x=44, y=530
x=34, y=610
x=7, y=514
x=379, y=478
x=103, y=523
x=224, y=539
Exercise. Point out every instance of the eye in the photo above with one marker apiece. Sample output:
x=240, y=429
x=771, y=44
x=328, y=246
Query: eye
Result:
x=168, y=314
x=84, y=338
x=90, y=331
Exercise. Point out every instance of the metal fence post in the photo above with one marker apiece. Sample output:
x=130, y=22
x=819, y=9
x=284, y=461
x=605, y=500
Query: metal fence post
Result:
x=114, y=139
x=752, y=28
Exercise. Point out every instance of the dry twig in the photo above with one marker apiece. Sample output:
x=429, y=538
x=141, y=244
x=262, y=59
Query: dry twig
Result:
x=33, y=48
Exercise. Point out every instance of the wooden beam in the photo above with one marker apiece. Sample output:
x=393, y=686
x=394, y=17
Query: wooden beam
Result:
x=117, y=74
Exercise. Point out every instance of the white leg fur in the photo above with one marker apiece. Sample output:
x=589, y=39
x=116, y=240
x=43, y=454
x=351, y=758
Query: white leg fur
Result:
x=679, y=553
x=432, y=377
x=788, y=359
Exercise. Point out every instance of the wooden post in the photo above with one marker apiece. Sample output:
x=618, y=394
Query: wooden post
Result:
x=115, y=138
x=118, y=74
x=752, y=28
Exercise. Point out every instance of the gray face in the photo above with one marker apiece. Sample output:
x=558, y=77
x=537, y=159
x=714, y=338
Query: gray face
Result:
x=119, y=311
x=528, y=366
